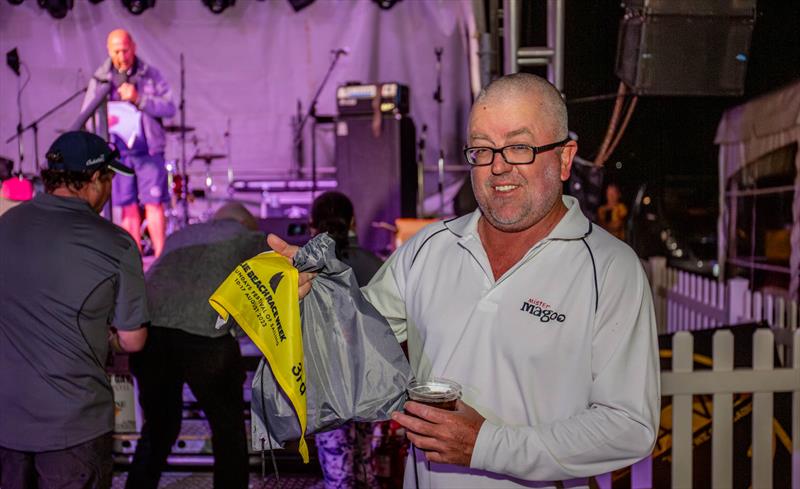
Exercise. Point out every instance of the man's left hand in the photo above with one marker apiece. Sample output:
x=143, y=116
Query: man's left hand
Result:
x=127, y=92
x=288, y=251
x=445, y=436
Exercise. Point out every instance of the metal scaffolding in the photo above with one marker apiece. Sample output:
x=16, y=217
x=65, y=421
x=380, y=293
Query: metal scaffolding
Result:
x=552, y=55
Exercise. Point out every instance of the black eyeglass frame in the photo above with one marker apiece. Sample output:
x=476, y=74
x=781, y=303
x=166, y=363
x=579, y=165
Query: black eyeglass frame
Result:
x=536, y=151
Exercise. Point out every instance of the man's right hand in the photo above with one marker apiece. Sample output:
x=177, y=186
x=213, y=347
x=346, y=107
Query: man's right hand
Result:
x=129, y=341
x=127, y=92
x=288, y=251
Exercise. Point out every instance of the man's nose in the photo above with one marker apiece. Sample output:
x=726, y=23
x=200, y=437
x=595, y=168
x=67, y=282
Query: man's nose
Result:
x=499, y=164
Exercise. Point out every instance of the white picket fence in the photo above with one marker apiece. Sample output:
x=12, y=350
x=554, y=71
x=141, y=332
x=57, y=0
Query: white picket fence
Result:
x=685, y=303
x=689, y=302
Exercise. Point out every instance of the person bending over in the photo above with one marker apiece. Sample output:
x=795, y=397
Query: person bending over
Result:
x=185, y=346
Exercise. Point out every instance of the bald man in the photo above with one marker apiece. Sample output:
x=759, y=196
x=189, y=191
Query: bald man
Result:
x=139, y=84
x=186, y=347
x=544, y=319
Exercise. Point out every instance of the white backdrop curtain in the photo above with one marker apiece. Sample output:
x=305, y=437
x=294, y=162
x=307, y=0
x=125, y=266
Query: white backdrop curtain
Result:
x=249, y=66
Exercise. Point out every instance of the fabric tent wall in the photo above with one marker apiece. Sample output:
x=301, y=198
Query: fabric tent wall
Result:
x=747, y=132
x=250, y=65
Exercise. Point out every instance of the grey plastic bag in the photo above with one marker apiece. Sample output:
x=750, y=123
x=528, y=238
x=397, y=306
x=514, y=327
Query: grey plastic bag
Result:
x=355, y=368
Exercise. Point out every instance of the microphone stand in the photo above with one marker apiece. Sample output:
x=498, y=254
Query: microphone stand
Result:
x=298, y=160
x=99, y=99
x=421, y=171
x=437, y=96
x=312, y=110
x=227, y=136
x=35, y=126
x=184, y=178
x=20, y=146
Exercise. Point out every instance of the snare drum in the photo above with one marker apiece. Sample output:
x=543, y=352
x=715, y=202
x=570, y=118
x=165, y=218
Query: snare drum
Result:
x=175, y=181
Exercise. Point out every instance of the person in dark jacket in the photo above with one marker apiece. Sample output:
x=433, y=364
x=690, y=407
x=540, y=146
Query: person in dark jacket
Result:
x=186, y=346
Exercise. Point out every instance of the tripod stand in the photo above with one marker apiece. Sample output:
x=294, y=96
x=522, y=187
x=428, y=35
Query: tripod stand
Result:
x=312, y=112
x=34, y=126
x=437, y=96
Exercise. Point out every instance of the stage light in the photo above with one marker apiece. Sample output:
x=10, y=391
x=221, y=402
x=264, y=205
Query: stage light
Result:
x=136, y=7
x=299, y=5
x=56, y=8
x=218, y=6
x=15, y=2
x=386, y=4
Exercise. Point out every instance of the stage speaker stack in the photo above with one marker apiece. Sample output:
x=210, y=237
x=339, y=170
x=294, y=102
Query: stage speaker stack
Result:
x=375, y=158
x=685, y=47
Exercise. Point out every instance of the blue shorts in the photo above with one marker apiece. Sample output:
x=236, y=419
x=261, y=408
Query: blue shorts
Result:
x=147, y=186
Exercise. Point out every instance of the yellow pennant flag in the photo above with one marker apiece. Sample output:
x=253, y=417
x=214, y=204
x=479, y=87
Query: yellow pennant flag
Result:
x=261, y=295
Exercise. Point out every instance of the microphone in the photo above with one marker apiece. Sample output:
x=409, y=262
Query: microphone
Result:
x=118, y=77
x=340, y=51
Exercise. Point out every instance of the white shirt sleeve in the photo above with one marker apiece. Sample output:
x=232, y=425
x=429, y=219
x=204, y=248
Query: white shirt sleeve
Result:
x=619, y=426
x=384, y=292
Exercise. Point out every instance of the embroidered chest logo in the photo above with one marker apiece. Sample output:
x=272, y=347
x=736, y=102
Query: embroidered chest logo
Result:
x=542, y=310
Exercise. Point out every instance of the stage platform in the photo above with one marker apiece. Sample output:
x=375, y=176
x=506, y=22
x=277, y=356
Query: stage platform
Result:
x=204, y=480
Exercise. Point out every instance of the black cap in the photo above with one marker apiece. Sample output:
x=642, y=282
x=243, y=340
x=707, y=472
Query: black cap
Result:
x=81, y=151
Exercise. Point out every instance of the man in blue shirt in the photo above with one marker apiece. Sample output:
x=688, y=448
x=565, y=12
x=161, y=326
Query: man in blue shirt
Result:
x=66, y=277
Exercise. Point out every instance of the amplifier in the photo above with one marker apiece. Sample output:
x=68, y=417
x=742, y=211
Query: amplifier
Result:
x=392, y=98
x=378, y=172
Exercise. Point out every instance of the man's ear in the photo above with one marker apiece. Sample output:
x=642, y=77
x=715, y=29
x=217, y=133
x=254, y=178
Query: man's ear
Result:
x=99, y=176
x=96, y=176
x=568, y=153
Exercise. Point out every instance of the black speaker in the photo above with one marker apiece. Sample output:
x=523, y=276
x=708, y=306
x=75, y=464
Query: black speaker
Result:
x=742, y=8
x=684, y=54
x=293, y=231
x=376, y=168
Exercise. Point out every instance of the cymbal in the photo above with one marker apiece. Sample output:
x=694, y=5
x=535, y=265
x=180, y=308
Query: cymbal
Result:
x=208, y=157
x=178, y=128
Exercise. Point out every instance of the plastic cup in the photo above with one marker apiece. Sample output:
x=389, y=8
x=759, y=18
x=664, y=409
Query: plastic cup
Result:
x=437, y=392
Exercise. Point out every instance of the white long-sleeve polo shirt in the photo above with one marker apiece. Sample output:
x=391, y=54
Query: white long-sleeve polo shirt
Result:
x=559, y=354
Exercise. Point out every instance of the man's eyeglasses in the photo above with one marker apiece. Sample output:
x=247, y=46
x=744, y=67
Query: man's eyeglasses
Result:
x=513, y=154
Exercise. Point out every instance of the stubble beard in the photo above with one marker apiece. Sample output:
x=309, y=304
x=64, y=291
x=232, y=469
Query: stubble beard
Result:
x=531, y=208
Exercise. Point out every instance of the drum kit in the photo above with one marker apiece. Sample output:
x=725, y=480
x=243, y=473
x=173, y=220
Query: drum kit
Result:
x=179, y=182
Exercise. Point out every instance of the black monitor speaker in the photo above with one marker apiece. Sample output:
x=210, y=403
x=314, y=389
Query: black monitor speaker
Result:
x=294, y=231
x=376, y=168
x=684, y=54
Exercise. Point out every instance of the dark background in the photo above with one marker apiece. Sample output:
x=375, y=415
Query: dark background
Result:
x=667, y=136
x=669, y=142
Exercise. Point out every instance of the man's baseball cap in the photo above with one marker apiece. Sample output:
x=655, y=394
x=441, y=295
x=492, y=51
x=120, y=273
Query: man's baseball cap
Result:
x=81, y=151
